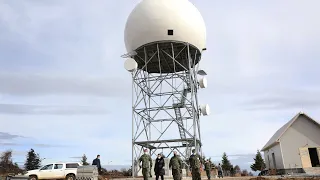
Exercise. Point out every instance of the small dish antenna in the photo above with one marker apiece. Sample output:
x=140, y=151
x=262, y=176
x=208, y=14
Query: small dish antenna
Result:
x=130, y=65
x=205, y=109
x=203, y=83
x=201, y=72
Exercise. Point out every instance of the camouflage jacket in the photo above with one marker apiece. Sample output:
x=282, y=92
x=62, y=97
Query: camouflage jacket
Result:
x=194, y=161
x=146, y=161
x=207, y=166
x=175, y=162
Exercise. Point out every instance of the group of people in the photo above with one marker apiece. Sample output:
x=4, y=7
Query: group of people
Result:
x=175, y=165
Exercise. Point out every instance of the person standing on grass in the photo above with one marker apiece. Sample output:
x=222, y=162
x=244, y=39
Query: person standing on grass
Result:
x=96, y=162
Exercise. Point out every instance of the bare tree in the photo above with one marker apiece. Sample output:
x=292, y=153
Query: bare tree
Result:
x=237, y=169
x=6, y=164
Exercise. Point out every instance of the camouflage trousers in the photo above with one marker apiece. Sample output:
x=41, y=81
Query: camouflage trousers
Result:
x=208, y=174
x=196, y=174
x=176, y=173
x=146, y=173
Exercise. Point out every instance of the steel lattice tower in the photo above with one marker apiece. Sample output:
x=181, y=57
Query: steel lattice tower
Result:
x=165, y=80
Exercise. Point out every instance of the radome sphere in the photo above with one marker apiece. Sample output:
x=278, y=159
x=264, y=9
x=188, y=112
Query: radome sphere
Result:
x=160, y=20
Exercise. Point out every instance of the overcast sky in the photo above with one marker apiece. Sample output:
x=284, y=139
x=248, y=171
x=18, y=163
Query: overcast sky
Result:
x=64, y=91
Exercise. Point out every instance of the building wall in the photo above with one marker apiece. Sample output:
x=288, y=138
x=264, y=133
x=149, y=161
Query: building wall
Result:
x=278, y=157
x=302, y=133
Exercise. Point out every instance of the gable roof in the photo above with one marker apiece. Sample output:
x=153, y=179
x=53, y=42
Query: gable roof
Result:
x=275, y=138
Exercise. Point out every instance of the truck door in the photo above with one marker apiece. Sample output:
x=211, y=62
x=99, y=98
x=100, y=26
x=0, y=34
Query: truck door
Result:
x=58, y=171
x=46, y=172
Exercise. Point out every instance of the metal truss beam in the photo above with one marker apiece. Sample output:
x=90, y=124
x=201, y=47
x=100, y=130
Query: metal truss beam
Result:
x=165, y=91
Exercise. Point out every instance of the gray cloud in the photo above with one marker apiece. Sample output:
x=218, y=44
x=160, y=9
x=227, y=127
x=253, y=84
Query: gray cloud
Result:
x=235, y=155
x=8, y=136
x=9, y=144
x=36, y=84
x=23, y=109
x=34, y=145
x=50, y=146
x=283, y=100
x=79, y=157
x=19, y=153
x=16, y=153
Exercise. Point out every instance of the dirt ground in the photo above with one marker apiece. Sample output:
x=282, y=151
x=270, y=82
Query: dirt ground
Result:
x=226, y=178
x=121, y=177
x=285, y=178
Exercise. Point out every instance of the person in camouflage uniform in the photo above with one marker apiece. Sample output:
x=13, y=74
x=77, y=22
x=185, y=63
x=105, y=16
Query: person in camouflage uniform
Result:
x=176, y=165
x=146, y=164
x=195, y=163
x=207, y=167
x=180, y=169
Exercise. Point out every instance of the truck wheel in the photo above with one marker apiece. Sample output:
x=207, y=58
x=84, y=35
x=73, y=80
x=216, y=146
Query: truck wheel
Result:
x=33, y=178
x=70, y=177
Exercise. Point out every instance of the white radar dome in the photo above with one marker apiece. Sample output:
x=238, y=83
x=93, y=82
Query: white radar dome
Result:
x=161, y=20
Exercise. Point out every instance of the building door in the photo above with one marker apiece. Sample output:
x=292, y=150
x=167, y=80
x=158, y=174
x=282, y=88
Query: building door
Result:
x=319, y=152
x=274, y=161
x=305, y=157
x=314, y=157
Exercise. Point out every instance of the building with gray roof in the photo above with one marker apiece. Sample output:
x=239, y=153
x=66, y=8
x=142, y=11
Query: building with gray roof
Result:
x=296, y=145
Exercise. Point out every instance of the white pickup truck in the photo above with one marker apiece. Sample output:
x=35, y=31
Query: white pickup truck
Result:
x=59, y=170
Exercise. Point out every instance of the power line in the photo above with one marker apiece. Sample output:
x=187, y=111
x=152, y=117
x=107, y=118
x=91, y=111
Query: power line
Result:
x=234, y=155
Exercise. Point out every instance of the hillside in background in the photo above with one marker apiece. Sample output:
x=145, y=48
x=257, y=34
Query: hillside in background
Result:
x=116, y=167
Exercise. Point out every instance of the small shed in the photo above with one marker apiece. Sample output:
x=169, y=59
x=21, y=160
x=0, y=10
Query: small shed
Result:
x=296, y=145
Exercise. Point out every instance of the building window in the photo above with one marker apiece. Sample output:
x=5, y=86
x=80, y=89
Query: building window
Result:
x=72, y=165
x=170, y=32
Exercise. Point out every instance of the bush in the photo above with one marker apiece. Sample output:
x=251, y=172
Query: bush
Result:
x=244, y=173
x=126, y=172
x=104, y=171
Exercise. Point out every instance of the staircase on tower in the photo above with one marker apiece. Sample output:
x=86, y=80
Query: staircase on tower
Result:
x=177, y=110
